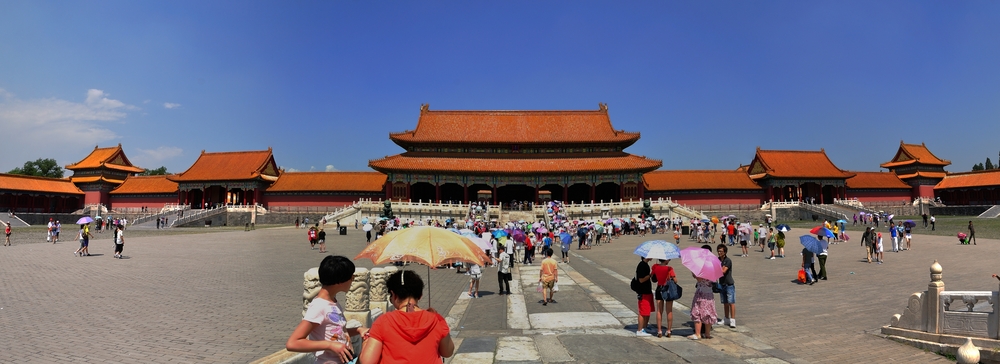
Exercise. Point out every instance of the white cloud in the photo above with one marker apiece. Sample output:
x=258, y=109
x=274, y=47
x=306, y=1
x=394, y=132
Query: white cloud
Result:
x=56, y=128
x=329, y=168
x=171, y=105
x=291, y=170
x=146, y=101
x=153, y=158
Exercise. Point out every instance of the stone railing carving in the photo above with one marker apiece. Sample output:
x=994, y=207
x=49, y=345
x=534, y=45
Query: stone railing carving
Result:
x=367, y=298
x=948, y=322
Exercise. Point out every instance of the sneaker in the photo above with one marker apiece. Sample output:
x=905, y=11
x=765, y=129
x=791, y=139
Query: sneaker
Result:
x=693, y=337
x=721, y=322
x=772, y=258
x=642, y=333
x=732, y=323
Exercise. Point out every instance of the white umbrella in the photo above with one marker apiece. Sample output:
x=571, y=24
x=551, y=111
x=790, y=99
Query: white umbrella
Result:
x=656, y=252
x=367, y=227
x=481, y=243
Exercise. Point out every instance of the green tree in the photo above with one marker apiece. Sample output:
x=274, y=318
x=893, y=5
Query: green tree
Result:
x=977, y=167
x=41, y=167
x=155, y=172
x=989, y=165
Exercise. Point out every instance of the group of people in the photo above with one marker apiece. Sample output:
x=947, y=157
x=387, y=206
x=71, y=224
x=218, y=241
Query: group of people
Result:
x=703, y=313
x=84, y=237
x=409, y=333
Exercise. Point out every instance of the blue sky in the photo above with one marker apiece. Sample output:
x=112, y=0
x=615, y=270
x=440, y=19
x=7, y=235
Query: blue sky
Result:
x=324, y=82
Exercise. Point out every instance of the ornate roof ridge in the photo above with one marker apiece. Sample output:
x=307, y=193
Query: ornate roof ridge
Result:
x=56, y=179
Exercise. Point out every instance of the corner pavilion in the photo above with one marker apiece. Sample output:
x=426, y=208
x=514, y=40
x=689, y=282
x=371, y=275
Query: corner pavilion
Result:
x=514, y=155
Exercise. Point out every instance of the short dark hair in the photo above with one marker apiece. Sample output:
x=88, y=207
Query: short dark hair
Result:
x=335, y=269
x=724, y=248
x=548, y=252
x=405, y=284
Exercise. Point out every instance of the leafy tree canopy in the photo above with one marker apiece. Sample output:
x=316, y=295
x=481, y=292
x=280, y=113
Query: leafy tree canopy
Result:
x=978, y=167
x=155, y=172
x=41, y=167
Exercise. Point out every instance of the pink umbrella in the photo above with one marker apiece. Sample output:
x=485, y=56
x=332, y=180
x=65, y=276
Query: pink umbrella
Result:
x=702, y=262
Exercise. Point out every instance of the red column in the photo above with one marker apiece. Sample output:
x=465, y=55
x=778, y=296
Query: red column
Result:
x=821, y=194
x=407, y=190
x=494, y=194
x=565, y=196
x=388, y=190
x=593, y=192
x=621, y=192
x=437, y=193
x=465, y=194
x=641, y=190
x=536, y=194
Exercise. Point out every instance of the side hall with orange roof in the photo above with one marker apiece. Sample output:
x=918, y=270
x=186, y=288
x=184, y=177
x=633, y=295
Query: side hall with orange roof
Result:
x=878, y=187
x=298, y=189
x=970, y=188
x=704, y=187
x=800, y=175
x=38, y=194
x=153, y=192
x=101, y=171
x=226, y=178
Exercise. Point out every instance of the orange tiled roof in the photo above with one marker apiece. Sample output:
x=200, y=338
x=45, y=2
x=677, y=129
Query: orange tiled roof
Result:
x=230, y=166
x=146, y=184
x=882, y=180
x=913, y=154
x=89, y=179
x=794, y=164
x=924, y=174
x=15, y=182
x=988, y=178
x=698, y=180
x=513, y=127
x=623, y=163
x=111, y=157
x=329, y=181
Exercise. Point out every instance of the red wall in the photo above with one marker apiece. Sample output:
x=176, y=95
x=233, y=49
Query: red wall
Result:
x=95, y=197
x=712, y=198
x=924, y=191
x=150, y=202
x=876, y=196
x=272, y=201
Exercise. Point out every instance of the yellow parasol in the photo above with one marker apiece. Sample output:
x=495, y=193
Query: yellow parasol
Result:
x=715, y=219
x=428, y=245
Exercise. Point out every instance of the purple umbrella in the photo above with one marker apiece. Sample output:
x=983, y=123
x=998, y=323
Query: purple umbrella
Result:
x=518, y=236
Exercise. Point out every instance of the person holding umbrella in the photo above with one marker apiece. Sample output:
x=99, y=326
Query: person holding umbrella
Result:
x=704, y=266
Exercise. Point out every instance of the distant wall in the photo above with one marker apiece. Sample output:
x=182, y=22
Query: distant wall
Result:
x=972, y=210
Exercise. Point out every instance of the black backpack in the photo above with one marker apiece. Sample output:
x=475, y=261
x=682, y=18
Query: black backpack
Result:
x=635, y=285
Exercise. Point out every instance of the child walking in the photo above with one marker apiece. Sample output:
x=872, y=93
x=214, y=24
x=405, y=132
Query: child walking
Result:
x=322, y=329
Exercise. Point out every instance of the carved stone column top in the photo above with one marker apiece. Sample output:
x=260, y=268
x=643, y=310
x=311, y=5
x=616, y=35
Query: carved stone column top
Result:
x=936, y=275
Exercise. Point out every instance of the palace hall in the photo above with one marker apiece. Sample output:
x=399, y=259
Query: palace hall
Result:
x=498, y=156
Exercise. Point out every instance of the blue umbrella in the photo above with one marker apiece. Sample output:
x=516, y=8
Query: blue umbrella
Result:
x=672, y=251
x=842, y=221
x=812, y=244
x=566, y=237
x=783, y=227
x=454, y=230
x=499, y=233
x=909, y=223
x=706, y=221
x=364, y=220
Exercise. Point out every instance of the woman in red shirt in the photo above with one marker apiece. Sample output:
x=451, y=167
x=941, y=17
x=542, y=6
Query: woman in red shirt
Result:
x=408, y=334
x=661, y=274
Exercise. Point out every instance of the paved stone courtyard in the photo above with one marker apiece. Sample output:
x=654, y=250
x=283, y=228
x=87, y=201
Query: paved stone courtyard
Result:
x=234, y=296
